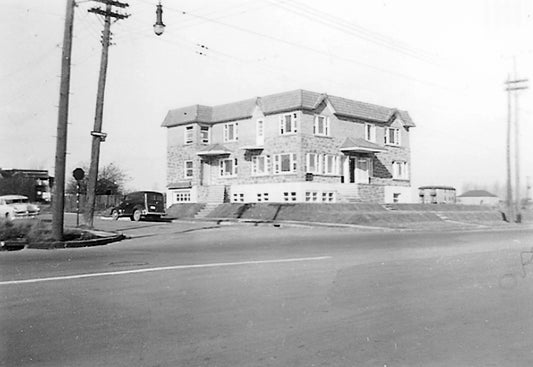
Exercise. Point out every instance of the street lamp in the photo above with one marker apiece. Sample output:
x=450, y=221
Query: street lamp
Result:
x=159, y=27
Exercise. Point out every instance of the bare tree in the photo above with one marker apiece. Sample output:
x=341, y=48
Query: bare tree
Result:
x=111, y=181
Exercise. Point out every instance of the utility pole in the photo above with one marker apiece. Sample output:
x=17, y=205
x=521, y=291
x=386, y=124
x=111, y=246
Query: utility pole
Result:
x=97, y=135
x=58, y=203
x=513, y=86
x=509, y=198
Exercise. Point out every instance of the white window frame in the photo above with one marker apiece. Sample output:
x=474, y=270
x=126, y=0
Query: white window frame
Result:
x=223, y=169
x=293, y=163
x=290, y=196
x=400, y=170
x=182, y=196
x=227, y=137
x=311, y=196
x=325, y=125
x=396, y=136
x=370, y=132
x=206, y=140
x=255, y=165
x=238, y=197
x=188, y=171
x=331, y=168
x=312, y=158
x=293, y=117
x=262, y=197
x=188, y=135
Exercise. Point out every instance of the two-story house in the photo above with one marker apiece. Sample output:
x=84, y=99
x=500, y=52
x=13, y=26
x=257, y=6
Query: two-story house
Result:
x=297, y=146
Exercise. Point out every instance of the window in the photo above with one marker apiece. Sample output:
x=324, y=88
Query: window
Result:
x=183, y=196
x=328, y=196
x=188, y=168
x=260, y=165
x=228, y=167
x=370, y=132
x=395, y=197
x=392, y=136
x=189, y=134
x=311, y=196
x=312, y=163
x=400, y=170
x=330, y=164
x=289, y=196
x=204, y=134
x=238, y=198
x=321, y=126
x=262, y=196
x=231, y=131
x=326, y=164
x=285, y=163
x=288, y=124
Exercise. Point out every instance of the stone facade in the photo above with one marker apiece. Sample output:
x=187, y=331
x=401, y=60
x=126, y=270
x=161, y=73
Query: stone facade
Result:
x=379, y=187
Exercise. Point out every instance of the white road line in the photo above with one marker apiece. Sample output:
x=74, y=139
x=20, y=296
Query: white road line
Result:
x=146, y=270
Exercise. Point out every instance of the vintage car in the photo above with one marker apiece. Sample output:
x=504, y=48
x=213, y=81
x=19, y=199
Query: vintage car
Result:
x=17, y=206
x=140, y=204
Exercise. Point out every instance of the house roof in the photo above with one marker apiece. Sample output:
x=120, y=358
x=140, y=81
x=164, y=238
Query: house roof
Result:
x=360, y=145
x=476, y=194
x=439, y=187
x=287, y=101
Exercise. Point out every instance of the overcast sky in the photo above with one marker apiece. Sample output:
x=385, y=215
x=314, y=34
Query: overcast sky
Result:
x=443, y=61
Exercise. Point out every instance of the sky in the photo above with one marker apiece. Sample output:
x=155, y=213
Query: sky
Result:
x=443, y=61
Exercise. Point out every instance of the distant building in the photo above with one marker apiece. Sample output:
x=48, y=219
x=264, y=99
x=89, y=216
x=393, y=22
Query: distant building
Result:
x=35, y=184
x=297, y=146
x=436, y=194
x=478, y=197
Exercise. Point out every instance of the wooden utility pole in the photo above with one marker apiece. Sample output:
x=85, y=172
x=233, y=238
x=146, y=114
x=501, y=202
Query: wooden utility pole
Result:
x=58, y=201
x=97, y=135
x=509, y=198
x=513, y=86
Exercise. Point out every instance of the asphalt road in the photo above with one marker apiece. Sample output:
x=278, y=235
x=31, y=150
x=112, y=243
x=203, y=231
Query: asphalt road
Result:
x=239, y=295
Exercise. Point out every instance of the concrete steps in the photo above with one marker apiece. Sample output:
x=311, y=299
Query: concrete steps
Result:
x=215, y=194
x=209, y=207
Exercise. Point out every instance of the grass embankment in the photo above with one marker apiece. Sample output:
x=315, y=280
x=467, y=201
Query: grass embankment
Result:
x=36, y=233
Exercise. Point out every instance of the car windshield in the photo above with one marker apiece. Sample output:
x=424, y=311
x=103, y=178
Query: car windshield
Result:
x=16, y=201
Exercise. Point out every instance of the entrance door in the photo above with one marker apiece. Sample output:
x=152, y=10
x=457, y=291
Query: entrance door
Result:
x=351, y=169
x=205, y=172
x=260, y=133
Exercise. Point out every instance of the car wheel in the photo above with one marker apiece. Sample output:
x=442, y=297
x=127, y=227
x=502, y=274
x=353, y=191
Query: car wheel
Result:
x=136, y=215
x=114, y=214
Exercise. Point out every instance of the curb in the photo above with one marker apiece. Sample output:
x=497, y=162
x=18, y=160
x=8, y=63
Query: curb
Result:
x=77, y=243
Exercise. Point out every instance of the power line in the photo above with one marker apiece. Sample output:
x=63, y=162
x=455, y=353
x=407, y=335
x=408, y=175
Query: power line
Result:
x=308, y=48
x=334, y=22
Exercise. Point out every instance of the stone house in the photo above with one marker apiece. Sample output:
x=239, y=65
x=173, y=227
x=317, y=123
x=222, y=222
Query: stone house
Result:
x=297, y=146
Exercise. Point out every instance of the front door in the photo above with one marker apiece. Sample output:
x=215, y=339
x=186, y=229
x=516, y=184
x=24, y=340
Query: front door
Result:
x=351, y=168
x=205, y=172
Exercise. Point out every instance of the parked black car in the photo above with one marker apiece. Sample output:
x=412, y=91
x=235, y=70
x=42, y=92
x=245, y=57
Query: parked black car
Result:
x=140, y=204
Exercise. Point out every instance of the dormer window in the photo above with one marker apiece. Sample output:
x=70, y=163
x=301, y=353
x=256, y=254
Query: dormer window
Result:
x=321, y=125
x=370, y=132
x=392, y=136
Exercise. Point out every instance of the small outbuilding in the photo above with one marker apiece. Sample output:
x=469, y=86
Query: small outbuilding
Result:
x=478, y=197
x=436, y=194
